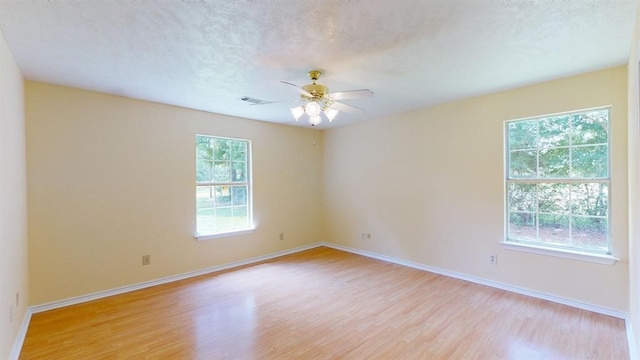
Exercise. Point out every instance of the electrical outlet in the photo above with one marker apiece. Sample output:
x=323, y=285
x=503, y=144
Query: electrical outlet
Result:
x=281, y=236
x=146, y=259
x=18, y=299
x=493, y=259
x=368, y=236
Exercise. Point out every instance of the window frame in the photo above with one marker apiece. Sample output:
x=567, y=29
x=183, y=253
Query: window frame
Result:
x=250, y=227
x=537, y=246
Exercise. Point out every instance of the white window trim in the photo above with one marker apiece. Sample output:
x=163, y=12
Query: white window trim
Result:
x=204, y=237
x=574, y=254
x=561, y=253
x=238, y=232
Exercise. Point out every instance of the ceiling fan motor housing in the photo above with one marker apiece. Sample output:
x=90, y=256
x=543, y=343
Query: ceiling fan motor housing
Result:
x=317, y=90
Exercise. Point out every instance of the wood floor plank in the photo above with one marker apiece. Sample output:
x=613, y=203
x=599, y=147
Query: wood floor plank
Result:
x=323, y=304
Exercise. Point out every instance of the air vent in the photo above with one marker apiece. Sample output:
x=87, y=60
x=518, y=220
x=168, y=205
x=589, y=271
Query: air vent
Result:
x=254, y=101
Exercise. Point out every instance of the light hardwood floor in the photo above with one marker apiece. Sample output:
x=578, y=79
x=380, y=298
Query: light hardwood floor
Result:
x=323, y=304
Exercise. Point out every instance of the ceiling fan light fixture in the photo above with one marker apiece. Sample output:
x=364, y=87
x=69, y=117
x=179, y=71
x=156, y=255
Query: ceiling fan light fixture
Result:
x=312, y=109
x=317, y=100
x=297, y=112
x=330, y=113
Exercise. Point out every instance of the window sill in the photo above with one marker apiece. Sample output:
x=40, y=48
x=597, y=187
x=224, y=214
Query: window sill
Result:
x=567, y=254
x=204, y=237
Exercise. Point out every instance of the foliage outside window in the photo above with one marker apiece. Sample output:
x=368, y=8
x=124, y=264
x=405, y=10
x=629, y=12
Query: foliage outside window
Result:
x=558, y=181
x=223, y=187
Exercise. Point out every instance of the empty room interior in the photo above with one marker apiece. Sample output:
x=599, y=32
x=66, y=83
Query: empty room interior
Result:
x=319, y=179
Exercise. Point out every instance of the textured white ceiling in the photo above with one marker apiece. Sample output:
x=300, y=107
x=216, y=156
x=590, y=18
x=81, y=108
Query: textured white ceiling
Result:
x=207, y=54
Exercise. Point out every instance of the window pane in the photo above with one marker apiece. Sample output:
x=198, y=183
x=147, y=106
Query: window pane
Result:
x=522, y=226
x=240, y=217
x=223, y=220
x=522, y=164
x=204, y=169
x=554, y=132
x=239, y=195
x=221, y=149
x=590, y=199
x=554, y=229
x=239, y=172
x=590, y=128
x=205, y=209
x=205, y=221
x=239, y=150
x=554, y=198
x=554, y=163
x=522, y=197
x=590, y=233
x=204, y=150
x=523, y=134
x=204, y=197
x=223, y=195
x=221, y=172
x=590, y=162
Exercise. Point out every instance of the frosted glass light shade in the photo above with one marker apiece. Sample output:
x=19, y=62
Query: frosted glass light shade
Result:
x=297, y=112
x=330, y=113
x=312, y=109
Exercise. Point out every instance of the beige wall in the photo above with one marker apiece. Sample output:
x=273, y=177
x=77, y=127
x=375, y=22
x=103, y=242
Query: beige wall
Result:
x=111, y=179
x=634, y=181
x=13, y=202
x=428, y=186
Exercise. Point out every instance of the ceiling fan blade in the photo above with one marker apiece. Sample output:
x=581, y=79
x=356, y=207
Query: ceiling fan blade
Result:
x=351, y=94
x=346, y=108
x=254, y=101
x=298, y=89
x=279, y=102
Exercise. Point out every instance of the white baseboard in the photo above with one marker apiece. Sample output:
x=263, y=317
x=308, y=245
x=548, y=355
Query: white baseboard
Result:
x=102, y=294
x=22, y=333
x=633, y=354
x=498, y=285
x=168, y=279
x=17, y=346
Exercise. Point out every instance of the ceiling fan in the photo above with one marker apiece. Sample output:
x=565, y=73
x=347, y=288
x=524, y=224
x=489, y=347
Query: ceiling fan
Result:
x=318, y=100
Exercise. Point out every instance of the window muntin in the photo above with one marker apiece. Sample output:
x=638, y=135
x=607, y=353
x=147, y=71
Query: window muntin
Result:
x=558, y=181
x=223, y=185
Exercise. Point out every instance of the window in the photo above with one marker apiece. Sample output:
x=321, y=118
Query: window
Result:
x=557, y=181
x=223, y=185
